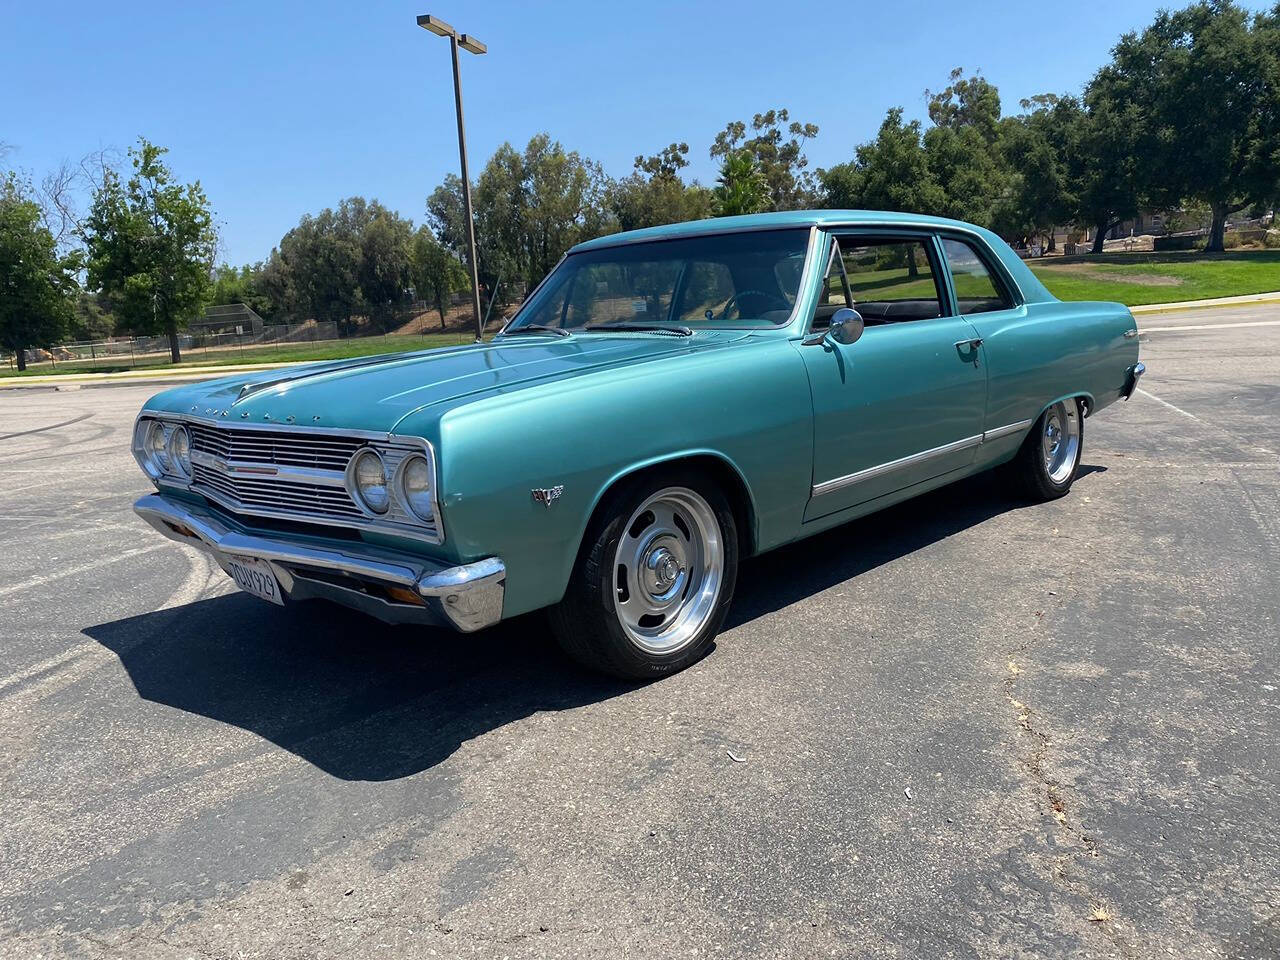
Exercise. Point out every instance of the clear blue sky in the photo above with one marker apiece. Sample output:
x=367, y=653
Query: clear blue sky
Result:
x=283, y=108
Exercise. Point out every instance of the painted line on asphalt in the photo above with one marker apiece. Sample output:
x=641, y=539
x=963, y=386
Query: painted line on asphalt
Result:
x=1210, y=326
x=1166, y=403
x=42, y=678
x=40, y=581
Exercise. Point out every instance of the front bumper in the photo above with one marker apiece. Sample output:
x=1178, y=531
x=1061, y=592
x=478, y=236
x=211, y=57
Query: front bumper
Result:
x=395, y=587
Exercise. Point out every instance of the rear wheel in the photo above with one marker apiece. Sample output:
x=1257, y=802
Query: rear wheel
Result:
x=1049, y=459
x=654, y=579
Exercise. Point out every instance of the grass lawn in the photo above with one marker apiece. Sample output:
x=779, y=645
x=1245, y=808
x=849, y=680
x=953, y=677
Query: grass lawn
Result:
x=269, y=353
x=1137, y=278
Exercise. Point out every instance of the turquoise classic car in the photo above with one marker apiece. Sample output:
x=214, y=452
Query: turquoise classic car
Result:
x=666, y=403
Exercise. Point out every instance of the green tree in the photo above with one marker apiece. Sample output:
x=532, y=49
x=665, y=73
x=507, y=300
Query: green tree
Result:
x=386, y=242
x=150, y=245
x=1037, y=146
x=37, y=286
x=530, y=207
x=889, y=173
x=741, y=187
x=776, y=144
x=436, y=272
x=89, y=320
x=655, y=194
x=1206, y=81
x=962, y=147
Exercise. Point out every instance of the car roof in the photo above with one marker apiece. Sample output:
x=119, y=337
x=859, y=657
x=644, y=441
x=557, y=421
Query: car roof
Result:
x=775, y=221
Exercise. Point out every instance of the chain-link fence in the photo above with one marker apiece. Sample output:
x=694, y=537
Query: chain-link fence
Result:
x=411, y=328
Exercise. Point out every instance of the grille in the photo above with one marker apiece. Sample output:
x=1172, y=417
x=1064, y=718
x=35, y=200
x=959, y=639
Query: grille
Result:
x=274, y=494
x=321, y=451
x=310, y=484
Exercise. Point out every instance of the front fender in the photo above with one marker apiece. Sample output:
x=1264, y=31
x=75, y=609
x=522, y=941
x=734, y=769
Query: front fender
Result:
x=748, y=406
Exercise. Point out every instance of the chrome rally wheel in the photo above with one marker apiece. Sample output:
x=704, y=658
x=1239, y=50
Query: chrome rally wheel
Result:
x=1060, y=440
x=669, y=569
x=1046, y=464
x=654, y=576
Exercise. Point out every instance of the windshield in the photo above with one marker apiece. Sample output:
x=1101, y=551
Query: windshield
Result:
x=725, y=280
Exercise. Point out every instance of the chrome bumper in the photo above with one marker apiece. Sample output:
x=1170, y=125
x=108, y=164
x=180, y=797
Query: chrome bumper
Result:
x=392, y=586
x=1131, y=379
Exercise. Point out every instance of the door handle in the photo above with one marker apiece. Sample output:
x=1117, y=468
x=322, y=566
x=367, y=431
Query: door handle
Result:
x=973, y=343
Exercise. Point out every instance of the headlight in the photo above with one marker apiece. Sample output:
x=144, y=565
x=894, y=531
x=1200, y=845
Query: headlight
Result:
x=179, y=450
x=369, y=476
x=154, y=446
x=415, y=483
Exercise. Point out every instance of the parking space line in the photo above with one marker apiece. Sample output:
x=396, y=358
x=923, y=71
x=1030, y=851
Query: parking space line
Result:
x=1209, y=326
x=1166, y=403
x=73, y=571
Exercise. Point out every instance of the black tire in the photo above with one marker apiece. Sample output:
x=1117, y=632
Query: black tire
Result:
x=587, y=622
x=1029, y=472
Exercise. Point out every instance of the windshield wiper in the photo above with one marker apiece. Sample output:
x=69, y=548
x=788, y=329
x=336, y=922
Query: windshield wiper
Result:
x=537, y=328
x=641, y=327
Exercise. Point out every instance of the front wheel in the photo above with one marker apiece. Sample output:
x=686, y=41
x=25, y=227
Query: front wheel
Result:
x=654, y=579
x=1049, y=458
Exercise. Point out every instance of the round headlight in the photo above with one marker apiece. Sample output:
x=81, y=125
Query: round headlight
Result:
x=370, y=478
x=416, y=486
x=180, y=450
x=155, y=446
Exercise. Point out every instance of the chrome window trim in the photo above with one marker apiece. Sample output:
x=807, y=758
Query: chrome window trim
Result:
x=371, y=523
x=879, y=470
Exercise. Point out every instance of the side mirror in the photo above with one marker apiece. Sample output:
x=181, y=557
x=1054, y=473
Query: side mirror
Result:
x=846, y=326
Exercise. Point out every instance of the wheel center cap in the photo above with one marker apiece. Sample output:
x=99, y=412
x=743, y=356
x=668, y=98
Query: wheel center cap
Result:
x=663, y=571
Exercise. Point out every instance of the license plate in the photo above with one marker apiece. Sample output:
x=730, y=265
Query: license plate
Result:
x=255, y=576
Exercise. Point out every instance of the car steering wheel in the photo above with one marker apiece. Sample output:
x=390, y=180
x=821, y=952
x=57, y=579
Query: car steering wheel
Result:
x=769, y=298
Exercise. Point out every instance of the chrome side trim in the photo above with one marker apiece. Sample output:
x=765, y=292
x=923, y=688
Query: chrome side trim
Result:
x=839, y=483
x=1007, y=429
x=466, y=597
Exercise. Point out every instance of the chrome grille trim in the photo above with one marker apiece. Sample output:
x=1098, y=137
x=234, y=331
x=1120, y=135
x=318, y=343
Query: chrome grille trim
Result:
x=296, y=473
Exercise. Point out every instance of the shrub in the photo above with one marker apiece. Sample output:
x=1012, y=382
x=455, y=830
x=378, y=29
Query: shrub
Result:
x=1184, y=242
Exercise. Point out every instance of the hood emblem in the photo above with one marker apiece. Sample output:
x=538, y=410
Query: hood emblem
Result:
x=547, y=495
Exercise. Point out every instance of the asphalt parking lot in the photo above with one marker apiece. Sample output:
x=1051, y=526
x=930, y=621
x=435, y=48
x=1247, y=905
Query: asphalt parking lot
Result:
x=963, y=727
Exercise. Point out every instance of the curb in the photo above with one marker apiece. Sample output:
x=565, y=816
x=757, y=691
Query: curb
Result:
x=127, y=377
x=1216, y=303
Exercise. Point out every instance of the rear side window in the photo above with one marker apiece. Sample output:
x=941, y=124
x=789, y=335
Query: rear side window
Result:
x=977, y=291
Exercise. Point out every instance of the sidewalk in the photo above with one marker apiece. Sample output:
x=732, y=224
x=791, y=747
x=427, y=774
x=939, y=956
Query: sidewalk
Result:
x=1247, y=299
x=162, y=375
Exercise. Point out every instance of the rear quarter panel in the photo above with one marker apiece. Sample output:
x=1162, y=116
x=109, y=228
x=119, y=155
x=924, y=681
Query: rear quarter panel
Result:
x=748, y=405
x=1046, y=351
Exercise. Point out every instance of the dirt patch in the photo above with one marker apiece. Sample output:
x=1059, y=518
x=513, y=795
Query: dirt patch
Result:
x=1141, y=279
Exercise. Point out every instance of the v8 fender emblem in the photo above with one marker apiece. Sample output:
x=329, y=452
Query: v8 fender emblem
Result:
x=547, y=495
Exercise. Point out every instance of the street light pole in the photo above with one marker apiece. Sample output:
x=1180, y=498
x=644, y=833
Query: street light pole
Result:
x=471, y=45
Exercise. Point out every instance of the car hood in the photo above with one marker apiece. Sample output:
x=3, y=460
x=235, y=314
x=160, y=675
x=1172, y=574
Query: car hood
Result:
x=376, y=393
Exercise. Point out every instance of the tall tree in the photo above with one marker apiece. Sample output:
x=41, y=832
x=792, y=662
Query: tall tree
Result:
x=962, y=147
x=741, y=187
x=1207, y=81
x=889, y=173
x=436, y=272
x=1037, y=146
x=776, y=144
x=530, y=207
x=151, y=245
x=655, y=194
x=37, y=285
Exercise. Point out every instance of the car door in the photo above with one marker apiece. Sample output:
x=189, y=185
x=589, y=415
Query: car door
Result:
x=905, y=402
